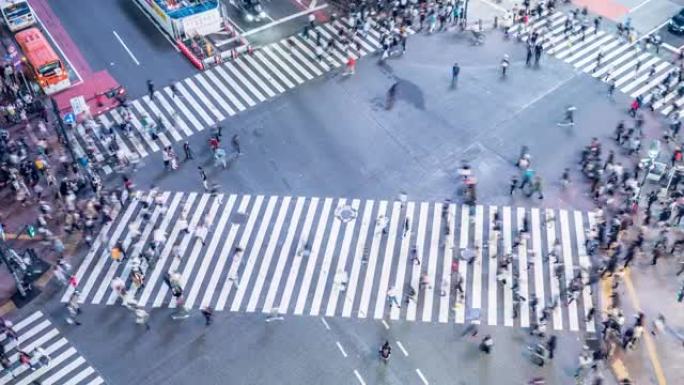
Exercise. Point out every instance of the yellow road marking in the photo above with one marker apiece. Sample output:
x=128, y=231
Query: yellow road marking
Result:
x=650, y=346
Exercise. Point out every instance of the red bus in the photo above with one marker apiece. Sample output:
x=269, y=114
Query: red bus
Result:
x=47, y=67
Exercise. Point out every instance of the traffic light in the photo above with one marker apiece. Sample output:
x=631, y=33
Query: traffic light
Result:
x=31, y=231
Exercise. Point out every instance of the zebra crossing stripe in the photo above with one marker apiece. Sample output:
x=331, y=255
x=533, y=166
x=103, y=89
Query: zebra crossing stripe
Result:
x=381, y=298
x=254, y=252
x=551, y=238
x=523, y=268
x=312, y=258
x=157, y=112
x=411, y=308
x=212, y=92
x=145, y=116
x=569, y=271
x=507, y=288
x=324, y=271
x=492, y=252
x=65, y=363
x=305, y=240
x=459, y=307
x=403, y=258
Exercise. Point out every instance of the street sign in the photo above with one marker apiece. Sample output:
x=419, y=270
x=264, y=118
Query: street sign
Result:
x=69, y=118
x=78, y=105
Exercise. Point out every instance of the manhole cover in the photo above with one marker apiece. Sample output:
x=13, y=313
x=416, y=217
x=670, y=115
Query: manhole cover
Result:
x=345, y=213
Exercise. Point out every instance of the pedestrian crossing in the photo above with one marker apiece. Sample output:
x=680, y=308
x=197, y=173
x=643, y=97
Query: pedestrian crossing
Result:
x=65, y=367
x=338, y=257
x=635, y=70
x=209, y=97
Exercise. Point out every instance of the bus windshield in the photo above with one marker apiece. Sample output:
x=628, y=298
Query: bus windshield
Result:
x=50, y=69
x=13, y=10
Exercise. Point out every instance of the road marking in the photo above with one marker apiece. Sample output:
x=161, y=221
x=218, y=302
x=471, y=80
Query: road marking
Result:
x=385, y=324
x=650, y=347
x=325, y=323
x=422, y=377
x=283, y=20
x=403, y=350
x=358, y=377
x=639, y=6
x=126, y=47
x=339, y=346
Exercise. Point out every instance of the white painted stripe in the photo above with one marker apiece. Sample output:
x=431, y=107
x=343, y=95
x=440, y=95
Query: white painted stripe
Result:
x=402, y=348
x=268, y=54
x=29, y=379
x=575, y=43
x=132, y=137
x=197, y=248
x=23, y=323
x=100, y=240
x=63, y=371
x=193, y=103
x=358, y=377
x=325, y=323
x=313, y=257
x=276, y=48
x=524, y=270
x=255, y=250
x=105, y=254
x=178, y=100
x=569, y=267
x=464, y=240
x=139, y=245
x=422, y=377
x=358, y=256
x=141, y=130
x=161, y=262
x=233, y=279
x=245, y=82
x=324, y=271
x=216, y=237
x=492, y=262
x=284, y=255
x=606, y=61
x=446, y=265
x=150, y=120
x=307, y=55
x=399, y=280
x=591, y=48
x=651, y=84
x=507, y=291
x=226, y=107
x=306, y=61
x=592, y=58
x=433, y=255
x=415, y=268
x=228, y=79
x=477, y=265
x=273, y=81
x=240, y=63
x=381, y=296
x=342, y=261
x=160, y=116
x=555, y=292
x=647, y=78
x=223, y=257
x=585, y=262
x=273, y=68
x=538, y=262
x=633, y=75
x=590, y=325
x=339, y=346
x=371, y=265
x=268, y=254
x=175, y=264
x=224, y=90
x=83, y=374
x=297, y=259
